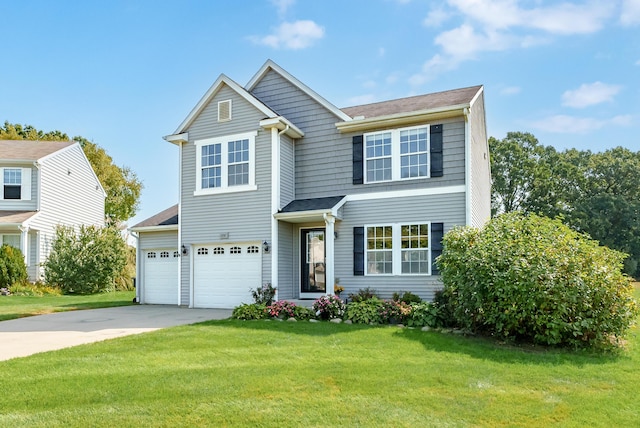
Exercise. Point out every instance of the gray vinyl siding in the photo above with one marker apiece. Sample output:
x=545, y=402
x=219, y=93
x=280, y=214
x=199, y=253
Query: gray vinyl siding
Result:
x=20, y=205
x=286, y=278
x=158, y=240
x=323, y=157
x=70, y=195
x=448, y=209
x=480, y=167
x=244, y=216
x=287, y=171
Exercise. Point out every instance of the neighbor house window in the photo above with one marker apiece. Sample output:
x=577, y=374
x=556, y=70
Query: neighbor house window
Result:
x=397, y=154
x=226, y=164
x=398, y=249
x=11, y=239
x=12, y=183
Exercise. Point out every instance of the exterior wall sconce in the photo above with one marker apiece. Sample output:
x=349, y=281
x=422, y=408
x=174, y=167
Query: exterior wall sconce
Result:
x=185, y=251
x=266, y=247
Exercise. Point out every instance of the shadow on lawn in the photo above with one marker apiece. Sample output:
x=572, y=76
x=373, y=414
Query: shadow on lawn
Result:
x=480, y=348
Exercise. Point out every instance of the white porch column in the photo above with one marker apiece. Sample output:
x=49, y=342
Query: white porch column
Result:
x=24, y=244
x=275, y=205
x=330, y=222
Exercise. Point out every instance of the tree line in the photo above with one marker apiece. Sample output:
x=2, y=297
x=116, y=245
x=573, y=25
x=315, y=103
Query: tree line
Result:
x=594, y=193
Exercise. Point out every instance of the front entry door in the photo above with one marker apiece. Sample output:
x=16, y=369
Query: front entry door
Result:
x=313, y=262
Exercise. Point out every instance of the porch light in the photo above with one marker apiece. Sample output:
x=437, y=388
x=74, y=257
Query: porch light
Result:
x=185, y=251
x=266, y=247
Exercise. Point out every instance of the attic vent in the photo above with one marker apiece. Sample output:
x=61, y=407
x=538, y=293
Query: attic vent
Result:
x=224, y=111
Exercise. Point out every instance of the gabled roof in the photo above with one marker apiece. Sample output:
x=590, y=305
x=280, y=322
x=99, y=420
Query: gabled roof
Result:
x=315, y=209
x=166, y=219
x=270, y=65
x=452, y=98
x=29, y=150
x=213, y=90
x=404, y=111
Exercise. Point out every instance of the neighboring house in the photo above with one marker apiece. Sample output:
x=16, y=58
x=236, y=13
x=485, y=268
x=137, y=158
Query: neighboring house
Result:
x=45, y=184
x=277, y=185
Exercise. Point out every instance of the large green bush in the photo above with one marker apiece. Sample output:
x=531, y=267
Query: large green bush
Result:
x=533, y=278
x=87, y=261
x=12, y=267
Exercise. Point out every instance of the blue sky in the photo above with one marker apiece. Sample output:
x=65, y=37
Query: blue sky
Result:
x=125, y=73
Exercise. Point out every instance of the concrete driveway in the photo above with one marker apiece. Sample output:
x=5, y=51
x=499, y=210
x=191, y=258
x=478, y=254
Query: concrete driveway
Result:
x=27, y=336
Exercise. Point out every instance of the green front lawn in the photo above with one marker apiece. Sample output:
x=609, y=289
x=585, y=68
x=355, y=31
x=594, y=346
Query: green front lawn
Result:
x=284, y=374
x=23, y=306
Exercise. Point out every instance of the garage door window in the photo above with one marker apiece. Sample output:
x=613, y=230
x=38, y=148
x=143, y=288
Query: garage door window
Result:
x=253, y=250
x=151, y=255
x=218, y=250
x=176, y=254
x=164, y=255
x=235, y=250
x=203, y=251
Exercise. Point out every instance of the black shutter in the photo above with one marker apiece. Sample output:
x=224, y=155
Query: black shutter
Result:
x=358, y=251
x=436, y=150
x=358, y=163
x=437, y=231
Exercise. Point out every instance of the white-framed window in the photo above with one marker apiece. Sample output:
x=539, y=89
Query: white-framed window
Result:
x=225, y=164
x=11, y=239
x=15, y=184
x=396, y=154
x=398, y=249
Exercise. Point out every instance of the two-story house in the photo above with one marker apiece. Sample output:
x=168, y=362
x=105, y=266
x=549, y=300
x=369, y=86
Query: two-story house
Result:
x=277, y=185
x=44, y=184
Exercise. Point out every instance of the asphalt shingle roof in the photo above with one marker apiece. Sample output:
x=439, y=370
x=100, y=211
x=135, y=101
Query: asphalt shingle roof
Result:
x=30, y=150
x=311, y=204
x=167, y=217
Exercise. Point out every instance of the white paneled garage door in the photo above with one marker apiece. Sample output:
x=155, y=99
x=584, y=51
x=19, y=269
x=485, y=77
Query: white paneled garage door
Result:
x=160, y=277
x=225, y=274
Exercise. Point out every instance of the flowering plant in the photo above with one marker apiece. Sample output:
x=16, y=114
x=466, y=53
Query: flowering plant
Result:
x=394, y=311
x=282, y=309
x=327, y=307
x=338, y=289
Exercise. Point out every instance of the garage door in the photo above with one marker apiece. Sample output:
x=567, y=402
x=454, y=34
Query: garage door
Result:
x=225, y=274
x=160, y=285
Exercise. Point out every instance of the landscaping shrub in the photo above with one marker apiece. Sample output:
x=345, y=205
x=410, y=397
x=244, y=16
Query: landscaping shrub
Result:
x=265, y=294
x=282, y=309
x=13, y=270
x=363, y=294
x=36, y=289
x=533, y=278
x=329, y=307
x=394, y=312
x=87, y=261
x=407, y=297
x=364, y=311
x=250, y=311
x=424, y=314
x=302, y=313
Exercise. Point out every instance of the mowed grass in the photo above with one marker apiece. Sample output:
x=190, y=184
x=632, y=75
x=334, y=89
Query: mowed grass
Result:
x=23, y=306
x=285, y=374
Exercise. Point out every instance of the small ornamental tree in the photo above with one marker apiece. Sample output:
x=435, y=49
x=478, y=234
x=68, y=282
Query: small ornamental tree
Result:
x=12, y=267
x=87, y=261
x=535, y=279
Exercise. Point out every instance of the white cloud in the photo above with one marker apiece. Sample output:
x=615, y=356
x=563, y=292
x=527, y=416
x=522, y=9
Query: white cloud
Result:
x=282, y=6
x=630, y=12
x=510, y=90
x=435, y=18
x=292, y=35
x=563, y=124
x=361, y=99
x=589, y=94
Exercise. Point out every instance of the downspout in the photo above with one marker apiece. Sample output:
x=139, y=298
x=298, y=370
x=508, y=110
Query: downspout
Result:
x=138, y=277
x=467, y=168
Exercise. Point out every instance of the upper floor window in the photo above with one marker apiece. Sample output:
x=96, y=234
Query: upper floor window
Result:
x=226, y=164
x=397, y=154
x=12, y=183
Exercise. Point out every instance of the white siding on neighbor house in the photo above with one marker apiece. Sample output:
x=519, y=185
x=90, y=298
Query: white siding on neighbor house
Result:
x=30, y=204
x=323, y=157
x=242, y=216
x=480, y=166
x=33, y=267
x=447, y=209
x=70, y=195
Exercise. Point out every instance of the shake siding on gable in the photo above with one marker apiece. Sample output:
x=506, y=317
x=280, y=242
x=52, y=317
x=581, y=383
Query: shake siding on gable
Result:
x=245, y=216
x=480, y=167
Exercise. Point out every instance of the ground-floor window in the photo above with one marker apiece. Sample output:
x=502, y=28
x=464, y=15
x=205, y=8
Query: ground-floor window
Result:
x=398, y=249
x=11, y=239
